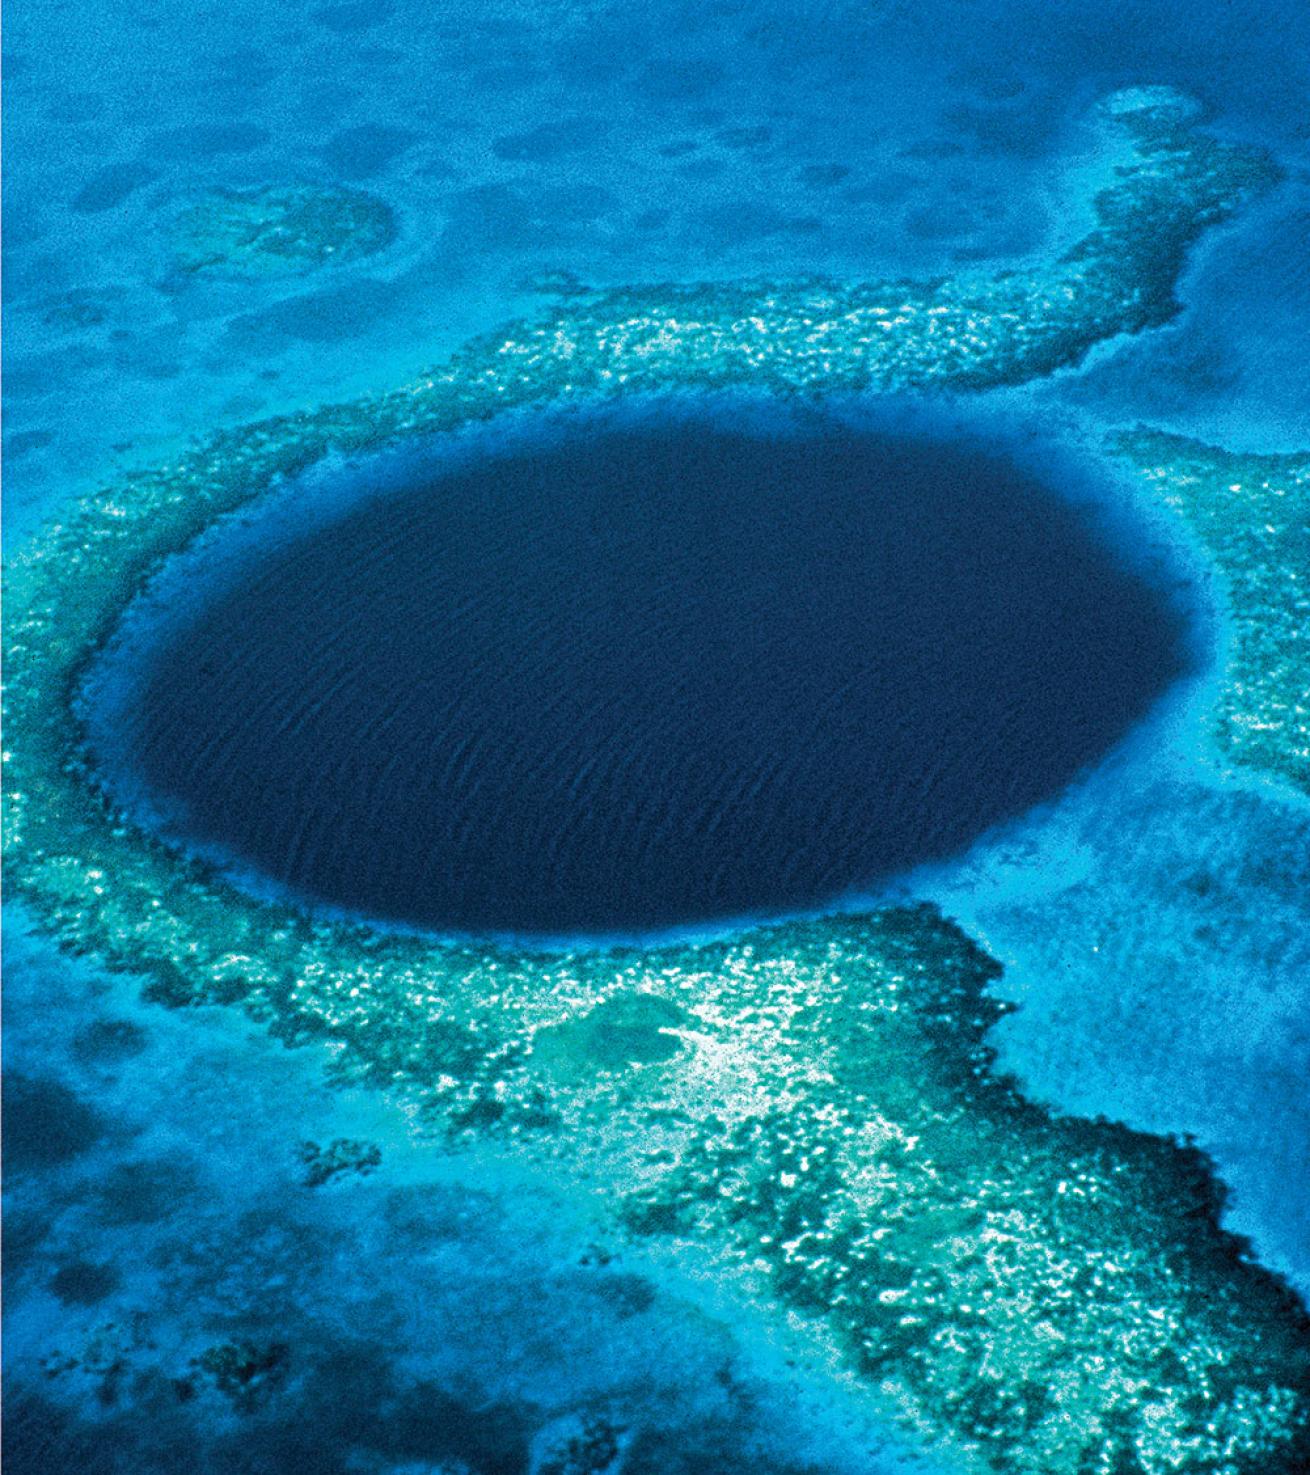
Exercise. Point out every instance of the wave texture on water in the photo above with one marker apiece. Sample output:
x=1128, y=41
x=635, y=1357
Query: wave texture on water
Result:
x=638, y=674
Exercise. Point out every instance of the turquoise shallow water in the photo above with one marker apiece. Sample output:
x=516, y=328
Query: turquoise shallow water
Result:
x=220, y=214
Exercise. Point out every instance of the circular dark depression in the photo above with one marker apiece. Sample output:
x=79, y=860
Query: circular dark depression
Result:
x=644, y=674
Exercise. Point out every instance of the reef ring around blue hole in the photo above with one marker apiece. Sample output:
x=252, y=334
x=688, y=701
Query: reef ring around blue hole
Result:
x=612, y=673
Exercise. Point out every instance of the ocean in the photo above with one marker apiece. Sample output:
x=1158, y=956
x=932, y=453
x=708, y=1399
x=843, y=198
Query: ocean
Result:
x=951, y=1114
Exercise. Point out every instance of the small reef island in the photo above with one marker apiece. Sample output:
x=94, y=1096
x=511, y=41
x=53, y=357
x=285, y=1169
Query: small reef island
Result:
x=807, y=1110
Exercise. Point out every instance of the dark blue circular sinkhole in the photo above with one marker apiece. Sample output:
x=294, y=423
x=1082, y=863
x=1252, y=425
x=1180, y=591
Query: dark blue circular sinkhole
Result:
x=640, y=673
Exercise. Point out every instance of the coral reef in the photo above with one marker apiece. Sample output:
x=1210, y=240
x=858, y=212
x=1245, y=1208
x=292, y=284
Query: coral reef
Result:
x=249, y=1374
x=277, y=231
x=342, y=1155
x=1252, y=515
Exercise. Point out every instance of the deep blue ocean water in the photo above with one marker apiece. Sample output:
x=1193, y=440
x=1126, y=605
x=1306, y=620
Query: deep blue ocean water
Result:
x=632, y=673
x=618, y=143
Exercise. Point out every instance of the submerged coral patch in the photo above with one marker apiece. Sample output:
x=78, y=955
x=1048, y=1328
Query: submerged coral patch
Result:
x=275, y=231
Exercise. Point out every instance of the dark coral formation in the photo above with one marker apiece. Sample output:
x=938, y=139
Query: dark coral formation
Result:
x=248, y=1373
x=341, y=1156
